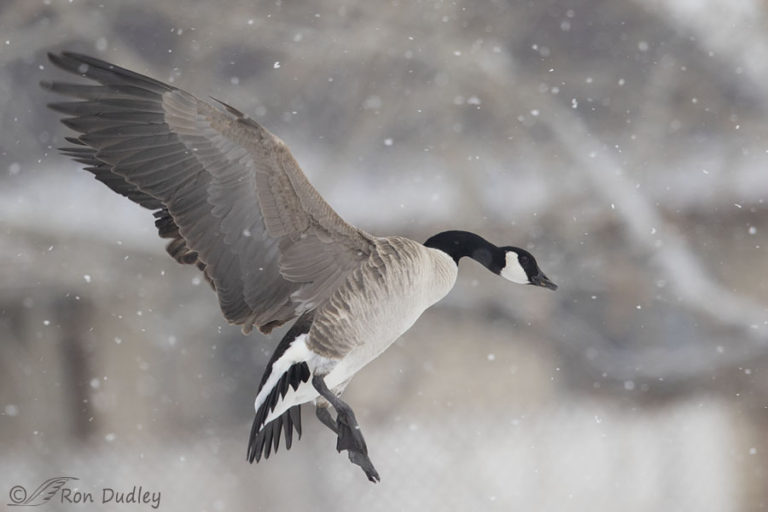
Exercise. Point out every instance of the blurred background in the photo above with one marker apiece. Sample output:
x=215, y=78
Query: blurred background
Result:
x=624, y=143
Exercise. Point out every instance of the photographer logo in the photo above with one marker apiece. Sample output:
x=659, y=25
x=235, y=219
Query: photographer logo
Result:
x=63, y=490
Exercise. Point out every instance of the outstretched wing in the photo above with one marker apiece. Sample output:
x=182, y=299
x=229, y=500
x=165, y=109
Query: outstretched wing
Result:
x=227, y=192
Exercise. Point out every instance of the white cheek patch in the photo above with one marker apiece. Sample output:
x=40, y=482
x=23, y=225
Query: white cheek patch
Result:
x=513, y=271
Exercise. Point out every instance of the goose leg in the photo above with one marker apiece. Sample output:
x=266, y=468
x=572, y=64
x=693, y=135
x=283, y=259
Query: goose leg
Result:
x=324, y=415
x=350, y=437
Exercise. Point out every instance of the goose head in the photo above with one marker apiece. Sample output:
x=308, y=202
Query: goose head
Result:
x=511, y=263
x=520, y=267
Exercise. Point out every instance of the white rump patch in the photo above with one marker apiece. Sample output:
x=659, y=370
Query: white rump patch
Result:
x=298, y=352
x=513, y=271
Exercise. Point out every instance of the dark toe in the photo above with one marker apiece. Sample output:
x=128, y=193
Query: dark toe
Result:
x=365, y=463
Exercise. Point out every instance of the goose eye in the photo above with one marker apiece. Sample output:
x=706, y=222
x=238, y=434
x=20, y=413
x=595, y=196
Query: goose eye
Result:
x=523, y=260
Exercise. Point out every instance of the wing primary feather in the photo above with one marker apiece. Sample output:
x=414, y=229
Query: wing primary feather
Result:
x=104, y=72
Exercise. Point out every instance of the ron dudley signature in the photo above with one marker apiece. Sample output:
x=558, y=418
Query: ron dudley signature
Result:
x=62, y=490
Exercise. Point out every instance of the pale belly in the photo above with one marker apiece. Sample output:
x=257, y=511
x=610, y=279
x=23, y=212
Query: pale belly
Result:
x=369, y=325
x=340, y=371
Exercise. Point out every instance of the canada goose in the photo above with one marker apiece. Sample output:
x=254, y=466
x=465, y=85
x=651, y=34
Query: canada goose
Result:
x=234, y=202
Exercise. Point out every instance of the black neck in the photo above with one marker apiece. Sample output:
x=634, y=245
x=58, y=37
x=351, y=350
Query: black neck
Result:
x=458, y=244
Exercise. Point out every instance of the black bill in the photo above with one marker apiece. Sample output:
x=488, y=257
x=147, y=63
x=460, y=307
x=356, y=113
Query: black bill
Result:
x=541, y=280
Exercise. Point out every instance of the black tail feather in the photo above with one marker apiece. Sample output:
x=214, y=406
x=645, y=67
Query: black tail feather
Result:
x=288, y=424
x=283, y=384
x=266, y=437
x=277, y=430
x=266, y=440
x=295, y=415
